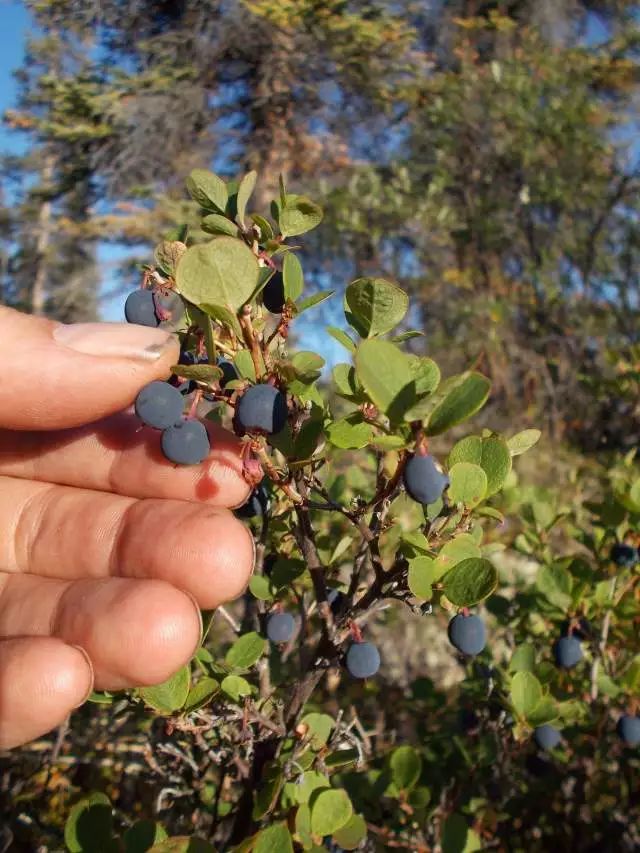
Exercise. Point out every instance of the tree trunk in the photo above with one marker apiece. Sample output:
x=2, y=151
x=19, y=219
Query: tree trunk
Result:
x=39, y=287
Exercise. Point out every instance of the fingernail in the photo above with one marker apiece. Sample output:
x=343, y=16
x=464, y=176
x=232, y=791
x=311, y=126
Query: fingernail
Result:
x=116, y=340
x=199, y=612
x=92, y=681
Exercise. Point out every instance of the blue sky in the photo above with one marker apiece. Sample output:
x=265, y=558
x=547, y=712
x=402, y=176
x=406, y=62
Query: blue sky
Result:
x=15, y=22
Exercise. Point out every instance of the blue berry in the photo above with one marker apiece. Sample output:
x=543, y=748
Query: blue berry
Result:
x=423, y=481
x=159, y=405
x=467, y=634
x=628, y=729
x=546, y=737
x=624, y=555
x=229, y=372
x=280, y=627
x=262, y=408
x=257, y=504
x=186, y=443
x=363, y=660
x=140, y=308
x=273, y=294
x=567, y=652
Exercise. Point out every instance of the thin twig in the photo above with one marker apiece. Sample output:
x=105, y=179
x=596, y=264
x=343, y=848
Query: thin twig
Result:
x=602, y=645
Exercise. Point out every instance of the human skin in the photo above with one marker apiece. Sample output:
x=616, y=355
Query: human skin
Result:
x=107, y=550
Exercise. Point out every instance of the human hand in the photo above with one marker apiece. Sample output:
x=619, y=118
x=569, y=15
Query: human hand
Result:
x=107, y=549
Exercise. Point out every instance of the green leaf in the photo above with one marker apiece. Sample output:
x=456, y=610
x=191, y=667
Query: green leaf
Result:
x=526, y=693
x=140, y=837
x=422, y=574
x=167, y=254
x=342, y=338
x=292, y=277
x=260, y=588
x=555, y=583
x=311, y=781
x=523, y=441
x=267, y=792
x=455, y=551
x=341, y=757
x=89, y=827
x=223, y=316
x=314, y=299
x=352, y=834
x=344, y=377
x=352, y=432
x=223, y=271
x=330, y=811
x=208, y=190
x=235, y=687
x=303, y=826
x=274, y=839
x=468, y=484
x=169, y=696
x=320, y=727
x=246, y=651
x=206, y=373
x=266, y=231
x=298, y=215
x=470, y=581
x=406, y=766
x=468, y=449
x=374, y=306
x=384, y=372
x=183, y=844
x=246, y=188
x=426, y=374
x=200, y=694
x=495, y=462
x=216, y=223
x=460, y=398
x=545, y=711
x=244, y=365
x=457, y=837
x=523, y=659
x=406, y=336
x=308, y=365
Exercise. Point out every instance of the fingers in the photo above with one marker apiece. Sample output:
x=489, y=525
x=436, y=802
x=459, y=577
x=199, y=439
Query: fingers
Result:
x=41, y=681
x=116, y=455
x=57, y=376
x=68, y=533
x=135, y=632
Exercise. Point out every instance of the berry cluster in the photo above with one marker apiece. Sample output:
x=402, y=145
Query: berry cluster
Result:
x=160, y=405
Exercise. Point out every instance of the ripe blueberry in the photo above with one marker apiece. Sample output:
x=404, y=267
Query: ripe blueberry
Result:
x=546, y=737
x=256, y=505
x=423, y=481
x=628, y=729
x=363, y=660
x=186, y=443
x=335, y=599
x=140, y=308
x=273, y=294
x=467, y=634
x=262, y=408
x=280, y=627
x=159, y=405
x=229, y=372
x=624, y=555
x=567, y=652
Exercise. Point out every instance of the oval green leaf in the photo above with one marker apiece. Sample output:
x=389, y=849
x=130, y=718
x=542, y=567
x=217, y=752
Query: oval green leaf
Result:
x=292, y=277
x=468, y=484
x=406, y=766
x=330, y=811
x=169, y=696
x=223, y=271
x=208, y=190
x=526, y=692
x=374, y=306
x=495, y=462
x=298, y=216
x=459, y=398
x=470, y=581
x=422, y=573
x=246, y=651
x=383, y=371
x=352, y=834
x=274, y=839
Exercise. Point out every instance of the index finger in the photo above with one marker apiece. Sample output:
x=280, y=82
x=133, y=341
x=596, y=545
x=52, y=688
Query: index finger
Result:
x=117, y=455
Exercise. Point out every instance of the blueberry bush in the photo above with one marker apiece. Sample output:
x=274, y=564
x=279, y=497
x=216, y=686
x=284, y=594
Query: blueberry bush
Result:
x=372, y=498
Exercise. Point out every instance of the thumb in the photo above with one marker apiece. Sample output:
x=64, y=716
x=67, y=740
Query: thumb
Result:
x=57, y=376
